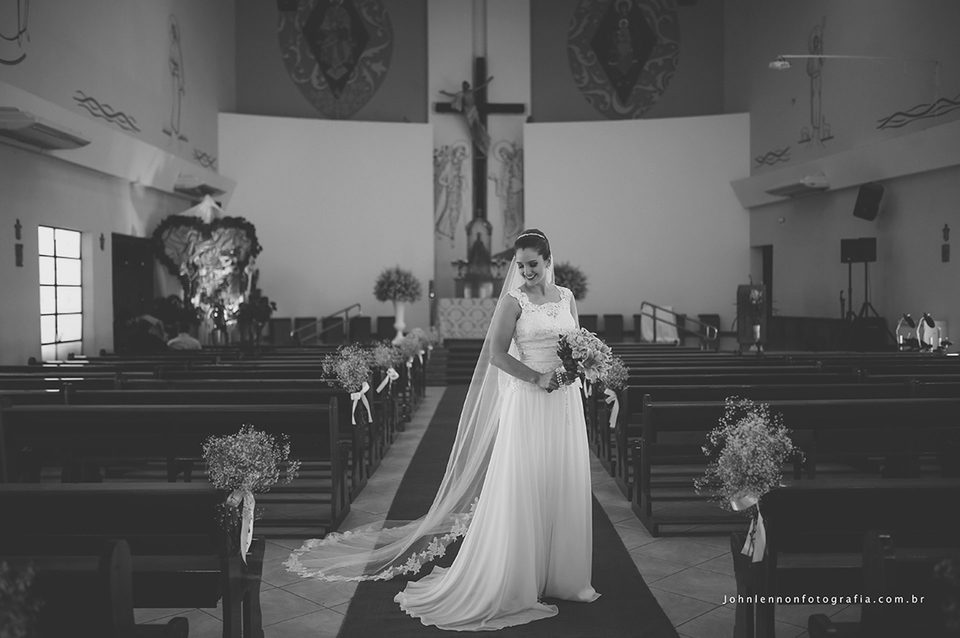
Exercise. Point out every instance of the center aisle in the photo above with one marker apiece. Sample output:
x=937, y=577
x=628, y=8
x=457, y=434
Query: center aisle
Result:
x=625, y=609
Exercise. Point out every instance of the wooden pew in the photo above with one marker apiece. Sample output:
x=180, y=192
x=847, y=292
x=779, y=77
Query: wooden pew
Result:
x=815, y=532
x=180, y=556
x=125, y=435
x=903, y=577
x=838, y=430
x=89, y=594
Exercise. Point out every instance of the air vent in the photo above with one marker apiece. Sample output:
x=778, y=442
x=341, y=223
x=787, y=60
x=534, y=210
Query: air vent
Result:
x=25, y=128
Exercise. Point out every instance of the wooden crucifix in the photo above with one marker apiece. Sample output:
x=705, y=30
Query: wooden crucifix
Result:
x=471, y=103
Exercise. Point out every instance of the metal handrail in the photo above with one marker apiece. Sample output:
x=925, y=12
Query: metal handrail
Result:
x=710, y=333
x=295, y=334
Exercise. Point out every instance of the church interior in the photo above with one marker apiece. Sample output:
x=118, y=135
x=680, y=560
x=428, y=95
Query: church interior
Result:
x=299, y=214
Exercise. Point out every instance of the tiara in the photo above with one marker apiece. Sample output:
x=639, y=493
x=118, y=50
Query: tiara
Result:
x=540, y=235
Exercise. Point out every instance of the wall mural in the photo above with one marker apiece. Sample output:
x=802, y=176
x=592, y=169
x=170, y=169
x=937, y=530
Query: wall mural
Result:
x=178, y=83
x=775, y=156
x=449, y=188
x=919, y=112
x=509, y=183
x=103, y=111
x=819, y=130
x=337, y=52
x=14, y=31
x=623, y=53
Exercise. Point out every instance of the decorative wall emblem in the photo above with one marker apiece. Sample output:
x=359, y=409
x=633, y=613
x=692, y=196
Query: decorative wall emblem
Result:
x=919, y=112
x=205, y=159
x=337, y=52
x=449, y=189
x=103, y=111
x=775, y=156
x=14, y=31
x=623, y=53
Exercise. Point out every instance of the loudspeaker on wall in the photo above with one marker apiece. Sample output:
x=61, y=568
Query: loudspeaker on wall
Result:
x=868, y=201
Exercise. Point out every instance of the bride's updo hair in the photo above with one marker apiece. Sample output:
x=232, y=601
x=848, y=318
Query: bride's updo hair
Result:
x=533, y=238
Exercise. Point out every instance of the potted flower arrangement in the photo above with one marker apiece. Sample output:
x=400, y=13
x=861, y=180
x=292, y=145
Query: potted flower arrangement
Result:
x=19, y=608
x=745, y=457
x=349, y=369
x=400, y=287
x=241, y=465
x=569, y=276
x=756, y=304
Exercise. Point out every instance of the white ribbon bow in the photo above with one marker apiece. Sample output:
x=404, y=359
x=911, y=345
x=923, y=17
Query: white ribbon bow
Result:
x=245, y=497
x=392, y=375
x=756, y=543
x=360, y=396
x=587, y=390
x=420, y=357
x=615, y=410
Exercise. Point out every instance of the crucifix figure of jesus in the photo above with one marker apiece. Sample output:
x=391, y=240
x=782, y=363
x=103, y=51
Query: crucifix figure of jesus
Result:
x=464, y=102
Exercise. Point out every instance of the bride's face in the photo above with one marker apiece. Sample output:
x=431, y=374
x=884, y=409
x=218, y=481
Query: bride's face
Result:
x=532, y=265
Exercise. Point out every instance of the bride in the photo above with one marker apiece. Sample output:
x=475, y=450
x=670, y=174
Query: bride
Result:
x=516, y=487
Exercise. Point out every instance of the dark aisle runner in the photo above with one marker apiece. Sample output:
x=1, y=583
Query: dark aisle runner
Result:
x=625, y=609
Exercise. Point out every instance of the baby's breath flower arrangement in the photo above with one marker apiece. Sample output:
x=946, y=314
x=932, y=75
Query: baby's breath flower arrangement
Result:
x=348, y=367
x=745, y=457
x=616, y=376
x=242, y=464
x=409, y=346
x=19, y=608
x=385, y=355
x=745, y=454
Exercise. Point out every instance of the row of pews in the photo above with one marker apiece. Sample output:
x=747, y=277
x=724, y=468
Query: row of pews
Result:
x=869, y=511
x=103, y=489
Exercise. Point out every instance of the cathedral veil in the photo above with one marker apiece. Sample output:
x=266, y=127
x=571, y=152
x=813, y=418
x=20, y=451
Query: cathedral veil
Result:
x=383, y=551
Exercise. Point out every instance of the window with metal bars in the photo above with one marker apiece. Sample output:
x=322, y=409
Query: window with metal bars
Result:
x=61, y=292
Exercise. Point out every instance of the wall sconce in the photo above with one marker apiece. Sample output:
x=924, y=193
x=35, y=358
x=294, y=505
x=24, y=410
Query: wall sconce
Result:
x=102, y=241
x=16, y=229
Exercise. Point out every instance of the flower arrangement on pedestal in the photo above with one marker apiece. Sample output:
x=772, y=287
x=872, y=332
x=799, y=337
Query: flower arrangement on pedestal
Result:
x=755, y=311
x=745, y=457
x=569, y=276
x=349, y=369
x=243, y=464
x=400, y=287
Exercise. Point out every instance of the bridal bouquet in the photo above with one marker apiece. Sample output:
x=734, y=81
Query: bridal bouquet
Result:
x=583, y=352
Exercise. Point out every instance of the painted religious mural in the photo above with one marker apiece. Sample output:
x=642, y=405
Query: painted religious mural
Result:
x=623, y=53
x=337, y=52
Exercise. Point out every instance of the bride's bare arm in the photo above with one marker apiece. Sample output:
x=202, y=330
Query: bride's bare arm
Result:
x=504, y=325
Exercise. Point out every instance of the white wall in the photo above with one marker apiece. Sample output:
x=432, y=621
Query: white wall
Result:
x=645, y=209
x=334, y=204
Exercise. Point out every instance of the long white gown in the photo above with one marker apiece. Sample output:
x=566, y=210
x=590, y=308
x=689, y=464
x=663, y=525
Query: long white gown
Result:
x=531, y=536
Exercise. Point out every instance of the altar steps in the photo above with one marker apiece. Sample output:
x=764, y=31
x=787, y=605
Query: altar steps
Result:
x=462, y=356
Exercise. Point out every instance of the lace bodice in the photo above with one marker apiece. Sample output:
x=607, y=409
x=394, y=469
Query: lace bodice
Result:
x=538, y=328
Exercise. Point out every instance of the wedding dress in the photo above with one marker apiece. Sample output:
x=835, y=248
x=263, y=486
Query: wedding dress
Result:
x=530, y=536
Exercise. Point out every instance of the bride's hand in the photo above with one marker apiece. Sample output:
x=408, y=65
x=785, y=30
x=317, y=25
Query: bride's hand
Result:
x=548, y=381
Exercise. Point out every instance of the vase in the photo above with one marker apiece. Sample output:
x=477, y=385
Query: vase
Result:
x=399, y=309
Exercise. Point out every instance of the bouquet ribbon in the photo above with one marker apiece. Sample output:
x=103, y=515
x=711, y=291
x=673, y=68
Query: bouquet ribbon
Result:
x=756, y=543
x=360, y=396
x=245, y=497
x=420, y=357
x=587, y=390
x=392, y=375
x=615, y=409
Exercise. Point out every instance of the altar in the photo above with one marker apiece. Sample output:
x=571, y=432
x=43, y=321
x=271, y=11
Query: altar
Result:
x=465, y=318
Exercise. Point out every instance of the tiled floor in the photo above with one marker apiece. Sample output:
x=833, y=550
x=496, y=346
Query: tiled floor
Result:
x=689, y=575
